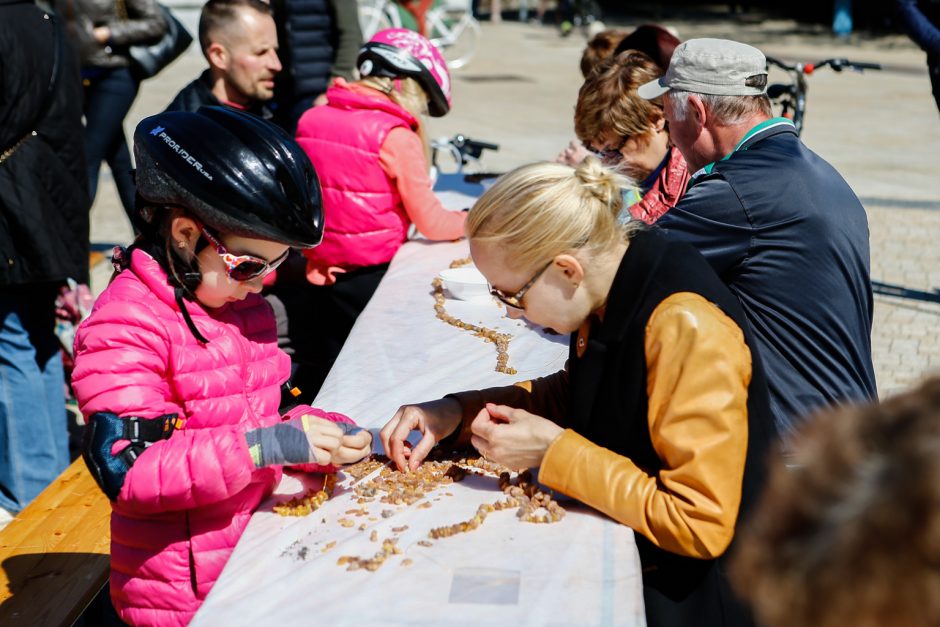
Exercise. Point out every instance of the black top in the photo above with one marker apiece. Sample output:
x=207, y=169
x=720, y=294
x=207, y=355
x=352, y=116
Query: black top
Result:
x=788, y=236
x=198, y=93
x=44, y=200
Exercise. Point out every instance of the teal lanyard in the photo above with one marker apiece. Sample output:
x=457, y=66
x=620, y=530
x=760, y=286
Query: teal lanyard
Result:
x=751, y=133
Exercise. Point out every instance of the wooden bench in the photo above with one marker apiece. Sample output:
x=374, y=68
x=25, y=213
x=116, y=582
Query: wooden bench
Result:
x=55, y=554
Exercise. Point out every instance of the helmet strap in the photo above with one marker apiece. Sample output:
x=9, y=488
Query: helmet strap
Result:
x=178, y=294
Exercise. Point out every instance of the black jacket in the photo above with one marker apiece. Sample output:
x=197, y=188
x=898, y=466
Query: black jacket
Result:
x=44, y=200
x=199, y=93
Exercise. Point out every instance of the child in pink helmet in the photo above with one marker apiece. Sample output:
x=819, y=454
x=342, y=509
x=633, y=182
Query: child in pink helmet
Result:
x=369, y=147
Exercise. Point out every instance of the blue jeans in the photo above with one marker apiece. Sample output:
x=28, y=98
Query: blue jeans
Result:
x=109, y=94
x=33, y=421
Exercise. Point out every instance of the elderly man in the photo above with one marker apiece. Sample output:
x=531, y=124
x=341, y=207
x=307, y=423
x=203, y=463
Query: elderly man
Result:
x=779, y=224
x=239, y=40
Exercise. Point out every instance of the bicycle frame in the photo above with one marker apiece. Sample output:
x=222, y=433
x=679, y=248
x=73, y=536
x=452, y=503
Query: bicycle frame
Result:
x=451, y=26
x=791, y=97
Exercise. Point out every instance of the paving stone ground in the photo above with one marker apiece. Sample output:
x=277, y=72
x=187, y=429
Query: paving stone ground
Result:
x=881, y=130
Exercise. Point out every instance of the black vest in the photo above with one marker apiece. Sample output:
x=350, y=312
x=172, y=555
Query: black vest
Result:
x=608, y=405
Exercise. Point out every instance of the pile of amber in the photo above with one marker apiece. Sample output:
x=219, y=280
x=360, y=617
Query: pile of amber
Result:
x=309, y=502
x=532, y=505
x=351, y=562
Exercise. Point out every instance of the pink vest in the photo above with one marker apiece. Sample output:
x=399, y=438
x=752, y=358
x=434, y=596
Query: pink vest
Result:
x=365, y=220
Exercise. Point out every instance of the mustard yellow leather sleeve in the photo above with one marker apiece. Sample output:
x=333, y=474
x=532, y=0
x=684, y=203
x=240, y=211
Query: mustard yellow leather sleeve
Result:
x=698, y=371
x=546, y=396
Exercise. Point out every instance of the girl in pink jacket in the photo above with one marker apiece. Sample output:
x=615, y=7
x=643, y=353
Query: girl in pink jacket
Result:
x=370, y=151
x=177, y=370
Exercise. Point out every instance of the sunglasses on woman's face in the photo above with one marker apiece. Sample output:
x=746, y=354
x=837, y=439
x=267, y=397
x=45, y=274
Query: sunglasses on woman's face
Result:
x=243, y=267
x=610, y=156
x=515, y=300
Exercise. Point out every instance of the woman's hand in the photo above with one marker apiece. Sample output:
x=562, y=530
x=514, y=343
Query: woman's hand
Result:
x=434, y=419
x=512, y=437
x=574, y=154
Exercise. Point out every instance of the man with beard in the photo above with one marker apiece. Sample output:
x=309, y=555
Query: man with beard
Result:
x=239, y=40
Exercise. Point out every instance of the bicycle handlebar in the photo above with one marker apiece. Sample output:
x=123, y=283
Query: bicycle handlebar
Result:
x=837, y=64
x=461, y=148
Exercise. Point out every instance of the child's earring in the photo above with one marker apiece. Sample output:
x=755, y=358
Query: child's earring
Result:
x=181, y=244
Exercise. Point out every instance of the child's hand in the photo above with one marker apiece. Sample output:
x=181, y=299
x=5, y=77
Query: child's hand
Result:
x=303, y=440
x=323, y=436
x=353, y=447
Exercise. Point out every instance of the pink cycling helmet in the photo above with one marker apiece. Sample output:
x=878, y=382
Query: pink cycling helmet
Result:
x=396, y=52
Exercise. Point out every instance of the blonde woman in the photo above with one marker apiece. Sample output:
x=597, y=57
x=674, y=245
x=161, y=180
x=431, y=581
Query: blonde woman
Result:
x=369, y=147
x=660, y=419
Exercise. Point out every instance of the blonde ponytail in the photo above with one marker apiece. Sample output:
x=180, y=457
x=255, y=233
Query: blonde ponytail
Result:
x=540, y=210
x=409, y=95
x=602, y=183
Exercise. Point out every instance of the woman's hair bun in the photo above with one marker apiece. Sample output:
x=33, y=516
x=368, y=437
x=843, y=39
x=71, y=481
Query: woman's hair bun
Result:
x=602, y=183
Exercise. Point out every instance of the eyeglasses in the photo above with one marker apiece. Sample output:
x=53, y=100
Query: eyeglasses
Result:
x=515, y=300
x=243, y=267
x=611, y=156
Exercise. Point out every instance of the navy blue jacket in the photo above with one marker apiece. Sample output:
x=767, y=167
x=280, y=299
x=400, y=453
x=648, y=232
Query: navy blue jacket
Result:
x=308, y=40
x=789, y=237
x=318, y=39
x=921, y=20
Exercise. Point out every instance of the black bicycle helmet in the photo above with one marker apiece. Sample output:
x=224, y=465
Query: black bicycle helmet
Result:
x=396, y=52
x=234, y=171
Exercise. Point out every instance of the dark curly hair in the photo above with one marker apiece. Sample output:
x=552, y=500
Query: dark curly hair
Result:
x=851, y=534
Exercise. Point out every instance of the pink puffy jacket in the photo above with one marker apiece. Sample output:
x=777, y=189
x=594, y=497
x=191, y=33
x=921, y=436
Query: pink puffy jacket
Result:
x=186, y=500
x=365, y=221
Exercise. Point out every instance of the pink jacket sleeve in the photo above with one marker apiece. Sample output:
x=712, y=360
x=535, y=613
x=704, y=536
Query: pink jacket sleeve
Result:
x=402, y=158
x=120, y=367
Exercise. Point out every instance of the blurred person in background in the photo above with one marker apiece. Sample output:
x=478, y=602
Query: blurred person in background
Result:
x=102, y=30
x=657, y=42
x=44, y=209
x=848, y=534
x=599, y=47
x=319, y=41
x=239, y=40
x=921, y=20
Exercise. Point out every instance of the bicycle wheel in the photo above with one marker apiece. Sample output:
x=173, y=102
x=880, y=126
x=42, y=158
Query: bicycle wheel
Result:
x=371, y=20
x=457, y=42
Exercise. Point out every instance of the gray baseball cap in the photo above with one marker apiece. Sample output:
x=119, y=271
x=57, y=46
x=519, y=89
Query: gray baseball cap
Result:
x=718, y=67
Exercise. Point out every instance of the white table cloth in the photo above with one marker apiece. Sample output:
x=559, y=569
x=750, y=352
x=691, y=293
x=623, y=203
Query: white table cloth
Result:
x=583, y=570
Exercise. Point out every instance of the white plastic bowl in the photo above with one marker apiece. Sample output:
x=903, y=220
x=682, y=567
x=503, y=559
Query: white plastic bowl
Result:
x=465, y=283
